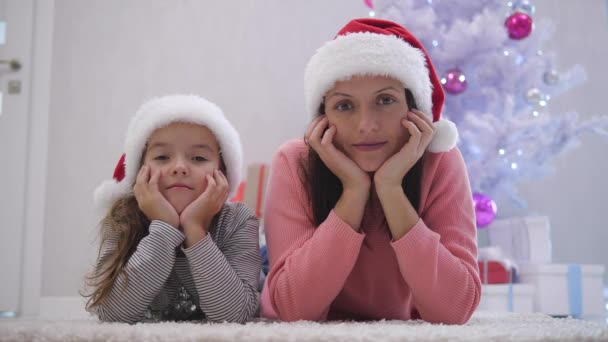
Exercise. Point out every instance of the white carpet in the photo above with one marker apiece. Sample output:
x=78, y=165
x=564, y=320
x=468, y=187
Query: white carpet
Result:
x=482, y=327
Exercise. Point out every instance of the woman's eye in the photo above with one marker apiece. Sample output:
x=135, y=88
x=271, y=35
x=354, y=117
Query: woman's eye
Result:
x=386, y=100
x=161, y=157
x=343, y=106
x=199, y=159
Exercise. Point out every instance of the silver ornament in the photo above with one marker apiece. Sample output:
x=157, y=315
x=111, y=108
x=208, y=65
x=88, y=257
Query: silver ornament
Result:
x=525, y=6
x=551, y=77
x=534, y=96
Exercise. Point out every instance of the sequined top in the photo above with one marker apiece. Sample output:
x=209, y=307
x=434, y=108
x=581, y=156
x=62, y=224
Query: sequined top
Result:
x=216, y=279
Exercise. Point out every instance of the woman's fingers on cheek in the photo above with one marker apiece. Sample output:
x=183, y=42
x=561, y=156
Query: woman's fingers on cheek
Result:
x=318, y=131
x=422, y=116
x=328, y=135
x=414, y=132
x=313, y=125
x=410, y=124
x=423, y=125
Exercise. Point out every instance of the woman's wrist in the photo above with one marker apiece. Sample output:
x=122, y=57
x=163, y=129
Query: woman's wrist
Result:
x=350, y=206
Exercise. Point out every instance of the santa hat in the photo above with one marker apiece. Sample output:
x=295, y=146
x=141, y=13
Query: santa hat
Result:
x=158, y=113
x=383, y=48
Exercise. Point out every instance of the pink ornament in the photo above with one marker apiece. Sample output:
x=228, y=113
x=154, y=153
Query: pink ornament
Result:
x=368, y=3
x=519, y=25
x=485, y=209
x=454, y=81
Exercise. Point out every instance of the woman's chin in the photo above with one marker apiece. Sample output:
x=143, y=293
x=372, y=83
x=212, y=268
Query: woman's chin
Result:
x=369, y=166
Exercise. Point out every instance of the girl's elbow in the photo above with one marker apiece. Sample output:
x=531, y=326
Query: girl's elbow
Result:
x=114, y=316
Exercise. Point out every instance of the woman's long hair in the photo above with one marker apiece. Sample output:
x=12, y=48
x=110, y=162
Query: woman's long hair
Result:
x=126, y=224
x=324, y=188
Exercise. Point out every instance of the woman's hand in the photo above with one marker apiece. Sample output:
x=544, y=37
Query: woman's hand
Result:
x=355, y=182
x=319, y=136
x=197, y=216
x=151, y=202
x=391, y=172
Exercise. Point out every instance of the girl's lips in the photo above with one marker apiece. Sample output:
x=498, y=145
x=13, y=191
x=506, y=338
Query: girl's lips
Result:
x=369, y=147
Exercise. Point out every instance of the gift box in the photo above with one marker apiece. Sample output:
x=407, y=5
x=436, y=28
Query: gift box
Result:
x=524, y=240
x=495, y=267
x=255, y=187
x=567, y=289
x=495, y=272
x=507, y=298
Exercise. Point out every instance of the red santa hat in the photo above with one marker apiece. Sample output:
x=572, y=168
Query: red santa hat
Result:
x=158, y=113
x=383, y=48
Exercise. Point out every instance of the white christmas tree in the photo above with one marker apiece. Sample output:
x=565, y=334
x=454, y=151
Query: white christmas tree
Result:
x=498, y=82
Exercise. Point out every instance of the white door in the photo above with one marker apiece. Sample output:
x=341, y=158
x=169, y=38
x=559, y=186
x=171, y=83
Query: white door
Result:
x=15, y=45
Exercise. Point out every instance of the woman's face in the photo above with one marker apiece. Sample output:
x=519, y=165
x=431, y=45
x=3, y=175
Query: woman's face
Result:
x=367, y=112
x=184, y=154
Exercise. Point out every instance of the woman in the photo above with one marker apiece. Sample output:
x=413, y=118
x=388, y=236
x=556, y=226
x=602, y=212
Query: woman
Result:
x=370, y=215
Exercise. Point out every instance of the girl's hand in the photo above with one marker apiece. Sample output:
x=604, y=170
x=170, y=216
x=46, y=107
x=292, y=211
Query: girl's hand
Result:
x=197, y=216
x=319, y=136
x=151, y=202
x=391, y=172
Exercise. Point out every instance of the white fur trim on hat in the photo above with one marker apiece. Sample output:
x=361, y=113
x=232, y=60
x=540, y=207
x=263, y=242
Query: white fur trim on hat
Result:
x=160, y=112
x=367, y=53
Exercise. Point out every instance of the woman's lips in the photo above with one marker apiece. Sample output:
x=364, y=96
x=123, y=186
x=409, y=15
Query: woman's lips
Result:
x=179, y=187
x=369, y=146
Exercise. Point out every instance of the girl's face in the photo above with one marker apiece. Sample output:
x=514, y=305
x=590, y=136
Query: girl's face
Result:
x=184, y=154
x=367, y=112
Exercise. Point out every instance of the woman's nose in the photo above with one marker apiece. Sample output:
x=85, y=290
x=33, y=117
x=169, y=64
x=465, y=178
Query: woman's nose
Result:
x=368, y=121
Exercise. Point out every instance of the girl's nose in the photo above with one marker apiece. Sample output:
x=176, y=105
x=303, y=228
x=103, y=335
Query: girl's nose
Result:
x=179, y=167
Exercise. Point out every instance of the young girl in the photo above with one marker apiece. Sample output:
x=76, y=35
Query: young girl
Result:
x=171, y=247
x=370, y=216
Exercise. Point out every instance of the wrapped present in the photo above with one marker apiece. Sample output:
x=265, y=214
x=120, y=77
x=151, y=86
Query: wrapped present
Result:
x=522, y=239
x=494, y=272
x=507, y=298
x=495, y=267
x=255, y=187
x=567, y=289
x=499, y=291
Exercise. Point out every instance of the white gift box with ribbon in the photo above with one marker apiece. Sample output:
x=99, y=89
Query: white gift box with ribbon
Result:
x=567, y=289
x=507, y=298
x=523, y=239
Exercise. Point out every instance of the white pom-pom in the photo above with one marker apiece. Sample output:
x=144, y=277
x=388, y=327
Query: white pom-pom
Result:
x=108, y=192
x=446, y=137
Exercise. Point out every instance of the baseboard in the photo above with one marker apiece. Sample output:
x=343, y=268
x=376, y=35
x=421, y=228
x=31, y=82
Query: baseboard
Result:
x=57, y=307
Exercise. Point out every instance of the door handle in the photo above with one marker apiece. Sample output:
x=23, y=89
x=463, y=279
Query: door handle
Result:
x=14, y=64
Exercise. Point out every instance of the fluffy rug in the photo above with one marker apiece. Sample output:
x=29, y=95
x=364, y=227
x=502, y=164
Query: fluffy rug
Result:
x=483, y=326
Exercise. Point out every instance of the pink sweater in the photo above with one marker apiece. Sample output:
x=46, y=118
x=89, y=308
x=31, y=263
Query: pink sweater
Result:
x=333, y=272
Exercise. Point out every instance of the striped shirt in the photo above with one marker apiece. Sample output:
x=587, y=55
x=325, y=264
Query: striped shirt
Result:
x=215, y=279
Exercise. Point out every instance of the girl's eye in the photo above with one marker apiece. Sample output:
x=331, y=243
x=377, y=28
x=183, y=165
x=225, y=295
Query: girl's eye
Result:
x=199, y=159
x=343, y=106
x=386, y=100
x=161, y=157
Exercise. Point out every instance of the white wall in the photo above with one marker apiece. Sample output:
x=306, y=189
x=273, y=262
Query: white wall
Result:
x=109, y=56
